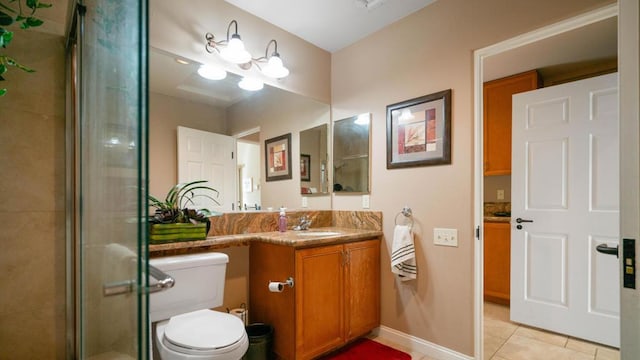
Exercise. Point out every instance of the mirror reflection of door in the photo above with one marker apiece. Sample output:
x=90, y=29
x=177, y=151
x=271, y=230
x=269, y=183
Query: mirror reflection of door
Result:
x=249, y=172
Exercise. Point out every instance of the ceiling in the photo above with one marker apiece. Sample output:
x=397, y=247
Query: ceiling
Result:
x=331, y=24
x=334, y=24
x=559, y=53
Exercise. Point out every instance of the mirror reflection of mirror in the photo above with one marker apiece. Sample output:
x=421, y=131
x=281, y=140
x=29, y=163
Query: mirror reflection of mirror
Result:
x=314, y=179
x=351, y=155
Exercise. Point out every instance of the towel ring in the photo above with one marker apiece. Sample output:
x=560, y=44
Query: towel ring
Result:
x=408, y=214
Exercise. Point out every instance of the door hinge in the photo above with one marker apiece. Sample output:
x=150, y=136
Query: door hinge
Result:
x=232, y=155
x=478, y=232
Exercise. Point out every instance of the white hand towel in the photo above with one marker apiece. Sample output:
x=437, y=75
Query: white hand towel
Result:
x=403, y=253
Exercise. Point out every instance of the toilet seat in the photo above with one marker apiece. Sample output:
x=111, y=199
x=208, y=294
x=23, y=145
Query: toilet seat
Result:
x=202, y=334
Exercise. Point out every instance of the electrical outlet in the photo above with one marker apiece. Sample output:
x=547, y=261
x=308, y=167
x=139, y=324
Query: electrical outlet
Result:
x=445, y=237
x=305, y=202
x=500, y=194
x=365, y=201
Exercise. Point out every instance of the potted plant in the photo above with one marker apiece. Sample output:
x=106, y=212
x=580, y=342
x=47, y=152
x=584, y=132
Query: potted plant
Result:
x=174, y=221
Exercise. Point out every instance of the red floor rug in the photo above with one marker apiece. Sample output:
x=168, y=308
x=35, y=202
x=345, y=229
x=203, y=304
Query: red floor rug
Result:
x=365, y=349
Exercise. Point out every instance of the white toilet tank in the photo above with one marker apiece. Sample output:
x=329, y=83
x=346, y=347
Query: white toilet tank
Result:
x=199, y=284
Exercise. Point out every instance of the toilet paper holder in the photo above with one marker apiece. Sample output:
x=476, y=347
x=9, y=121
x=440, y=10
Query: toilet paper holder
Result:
x=275, y=286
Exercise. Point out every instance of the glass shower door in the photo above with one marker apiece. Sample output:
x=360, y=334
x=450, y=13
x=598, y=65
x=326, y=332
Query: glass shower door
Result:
x=108, y=171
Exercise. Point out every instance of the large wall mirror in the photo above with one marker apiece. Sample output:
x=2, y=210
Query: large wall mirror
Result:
x=351, y=155
x=314, y=158
x=178, y=96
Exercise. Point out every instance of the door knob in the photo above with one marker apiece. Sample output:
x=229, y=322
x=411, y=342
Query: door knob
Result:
x=605, y=249
x=520, y=220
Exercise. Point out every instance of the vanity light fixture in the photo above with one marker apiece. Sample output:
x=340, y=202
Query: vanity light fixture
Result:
x=212, y=72
x=232, y=49
x=274, y=67
x=250, y=84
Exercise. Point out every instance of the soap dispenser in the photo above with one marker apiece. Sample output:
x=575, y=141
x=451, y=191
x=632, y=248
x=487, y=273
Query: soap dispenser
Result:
x=282, y=221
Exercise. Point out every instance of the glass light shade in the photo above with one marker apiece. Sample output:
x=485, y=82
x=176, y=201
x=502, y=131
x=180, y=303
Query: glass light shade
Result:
x=274, y=68
x=235, y=52
x=250, y=84
x=212, y=72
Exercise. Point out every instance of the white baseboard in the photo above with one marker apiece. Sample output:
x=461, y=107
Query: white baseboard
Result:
x=420, y=345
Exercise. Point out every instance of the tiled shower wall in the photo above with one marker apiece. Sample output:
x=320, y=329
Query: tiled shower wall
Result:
x=32, y=145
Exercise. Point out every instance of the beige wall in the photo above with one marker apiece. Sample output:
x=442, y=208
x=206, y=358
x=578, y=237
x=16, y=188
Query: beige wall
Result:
x=32, y=148
x=430, y=51
x=494, y=183
x=165, y=115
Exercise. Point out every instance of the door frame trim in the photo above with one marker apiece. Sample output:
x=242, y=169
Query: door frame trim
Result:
x=479, y=57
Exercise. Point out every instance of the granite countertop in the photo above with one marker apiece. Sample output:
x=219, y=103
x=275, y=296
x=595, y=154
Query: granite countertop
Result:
x=297, y=239
x=491, y=209
x=504, y=219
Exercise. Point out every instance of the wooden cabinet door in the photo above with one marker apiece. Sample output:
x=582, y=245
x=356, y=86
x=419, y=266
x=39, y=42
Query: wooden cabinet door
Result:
x=319, y=300
x=362, y=288
x=497, y=119
x=269, y=262
x=497, y=262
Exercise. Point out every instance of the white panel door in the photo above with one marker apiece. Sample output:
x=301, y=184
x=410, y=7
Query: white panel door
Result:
x=207, y=156
x=565, y=180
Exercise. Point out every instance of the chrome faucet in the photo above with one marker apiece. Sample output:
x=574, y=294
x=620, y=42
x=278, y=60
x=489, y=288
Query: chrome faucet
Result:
x=304, y=223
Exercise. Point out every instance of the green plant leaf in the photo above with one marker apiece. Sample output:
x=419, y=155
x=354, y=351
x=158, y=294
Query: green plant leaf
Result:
x=3, y=91
x=33, y=22
x=32, y=4
x=5, y=38
x=5, y=19
x=44, y=5
x=20, y=18
x=12, y=62
x=3, y=69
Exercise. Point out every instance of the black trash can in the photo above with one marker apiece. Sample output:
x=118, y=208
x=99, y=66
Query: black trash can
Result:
x=260, y=342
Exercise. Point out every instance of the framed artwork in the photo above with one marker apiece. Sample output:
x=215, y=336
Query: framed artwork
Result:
x=419, y=131
x=305, y=167
x=277, y=152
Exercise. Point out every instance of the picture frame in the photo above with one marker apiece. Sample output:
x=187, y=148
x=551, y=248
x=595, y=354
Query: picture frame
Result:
x=305, y=167
x=419, y=131
x=277, y=152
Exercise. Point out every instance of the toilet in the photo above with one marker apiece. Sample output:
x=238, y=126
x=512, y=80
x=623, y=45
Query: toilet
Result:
x=185, y=327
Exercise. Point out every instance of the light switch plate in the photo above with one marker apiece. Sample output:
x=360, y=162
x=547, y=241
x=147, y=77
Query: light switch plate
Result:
x=500, y=194
x=445, y=237
x=305, y=202
x=365, y=201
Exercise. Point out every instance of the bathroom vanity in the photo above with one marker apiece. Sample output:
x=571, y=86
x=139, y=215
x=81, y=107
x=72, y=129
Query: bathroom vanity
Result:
x=335, y=298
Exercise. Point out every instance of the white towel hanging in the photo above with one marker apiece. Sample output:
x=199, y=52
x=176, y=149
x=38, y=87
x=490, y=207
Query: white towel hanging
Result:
x=403, y=253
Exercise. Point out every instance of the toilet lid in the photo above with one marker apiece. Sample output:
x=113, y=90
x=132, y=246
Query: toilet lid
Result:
x=204, y=330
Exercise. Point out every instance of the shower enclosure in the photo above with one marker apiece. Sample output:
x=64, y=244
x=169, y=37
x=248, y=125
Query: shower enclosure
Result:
x=106, y=172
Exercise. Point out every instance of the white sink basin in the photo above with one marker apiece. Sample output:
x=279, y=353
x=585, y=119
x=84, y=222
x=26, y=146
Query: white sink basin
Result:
x=316, y=233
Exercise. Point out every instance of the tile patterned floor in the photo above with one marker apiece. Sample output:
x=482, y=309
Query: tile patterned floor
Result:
x=504, y=340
